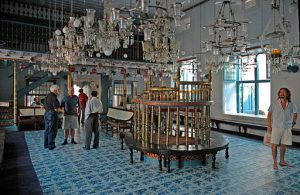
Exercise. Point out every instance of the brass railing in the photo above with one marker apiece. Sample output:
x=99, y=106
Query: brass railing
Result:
x=170, y=117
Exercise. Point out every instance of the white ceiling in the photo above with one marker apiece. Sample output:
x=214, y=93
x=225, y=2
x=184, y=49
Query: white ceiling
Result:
x=79, y=6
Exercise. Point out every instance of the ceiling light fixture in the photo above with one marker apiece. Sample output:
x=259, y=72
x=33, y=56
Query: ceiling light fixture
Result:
x=228, y=36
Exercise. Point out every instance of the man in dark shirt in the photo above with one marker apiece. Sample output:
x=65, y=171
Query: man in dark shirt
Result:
x=72, y=109
x=51, y=117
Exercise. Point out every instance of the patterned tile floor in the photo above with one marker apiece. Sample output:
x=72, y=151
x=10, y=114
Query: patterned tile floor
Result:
x=71, y=170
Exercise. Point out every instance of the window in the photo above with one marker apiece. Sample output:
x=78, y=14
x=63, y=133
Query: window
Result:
x=247, y=90
x=118, y=92
x=119, y=89
x=188, y=70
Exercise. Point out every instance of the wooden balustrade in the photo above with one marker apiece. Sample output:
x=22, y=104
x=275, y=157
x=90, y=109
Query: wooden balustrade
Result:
x=173, y=116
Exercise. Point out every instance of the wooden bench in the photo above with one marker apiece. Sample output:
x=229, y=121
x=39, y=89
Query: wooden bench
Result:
x=244, y=126
x=241, y=125
x=118, y=119
x=31, y=117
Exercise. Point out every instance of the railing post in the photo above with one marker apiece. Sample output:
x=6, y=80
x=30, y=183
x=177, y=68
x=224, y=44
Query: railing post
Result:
x=15, y=93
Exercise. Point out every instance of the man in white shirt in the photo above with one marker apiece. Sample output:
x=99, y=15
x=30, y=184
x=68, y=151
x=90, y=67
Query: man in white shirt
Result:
x=93, y=109
x=282, y=117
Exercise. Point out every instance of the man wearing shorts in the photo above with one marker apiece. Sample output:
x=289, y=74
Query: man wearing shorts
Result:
x=282, y=117
x=72, y=108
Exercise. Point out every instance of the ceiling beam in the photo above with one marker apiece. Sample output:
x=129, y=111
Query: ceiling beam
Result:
x=195, y=5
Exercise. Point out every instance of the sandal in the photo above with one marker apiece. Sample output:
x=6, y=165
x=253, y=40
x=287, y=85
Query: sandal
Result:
x=275, y=167
x=285, y=164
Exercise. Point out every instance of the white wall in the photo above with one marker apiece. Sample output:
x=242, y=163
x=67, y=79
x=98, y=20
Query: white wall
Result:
x=258, y=15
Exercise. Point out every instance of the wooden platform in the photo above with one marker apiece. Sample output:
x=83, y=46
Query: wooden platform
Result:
x=218, y=142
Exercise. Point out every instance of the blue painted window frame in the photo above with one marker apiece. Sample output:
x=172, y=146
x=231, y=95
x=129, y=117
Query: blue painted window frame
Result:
x=240, y=86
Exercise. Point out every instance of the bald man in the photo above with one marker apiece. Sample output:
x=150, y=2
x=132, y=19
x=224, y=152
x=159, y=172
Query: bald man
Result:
x=72, y=108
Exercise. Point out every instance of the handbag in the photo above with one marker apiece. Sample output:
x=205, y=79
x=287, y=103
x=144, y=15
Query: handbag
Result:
x=267, y=138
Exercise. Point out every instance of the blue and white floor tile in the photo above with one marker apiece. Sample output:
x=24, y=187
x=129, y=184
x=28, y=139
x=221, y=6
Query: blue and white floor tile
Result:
x=71, y=170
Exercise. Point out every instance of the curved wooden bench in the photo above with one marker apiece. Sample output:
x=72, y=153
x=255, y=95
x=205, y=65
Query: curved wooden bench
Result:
x=117, y=120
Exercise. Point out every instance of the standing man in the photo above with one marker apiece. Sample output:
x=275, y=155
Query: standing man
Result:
x=83, y=98
x=72, y=110
x=93, y=109
x=282, y=117
x=51, y=117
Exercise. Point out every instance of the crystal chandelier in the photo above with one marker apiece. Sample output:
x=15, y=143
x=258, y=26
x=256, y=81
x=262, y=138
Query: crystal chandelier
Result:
x=228, y=36
x=51, y=63
x=161, y=47
x=55, y=61
x=113, y=30
x=278, y=49
x=159, y=23
x=276, y=60
x=294, y=58
x=83, y=37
